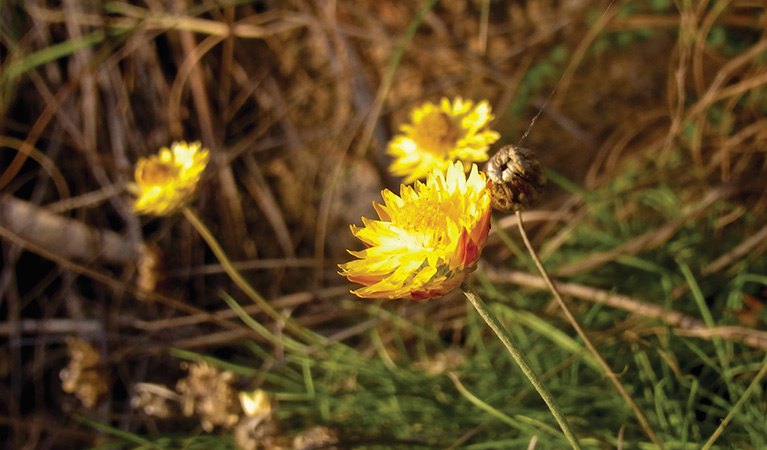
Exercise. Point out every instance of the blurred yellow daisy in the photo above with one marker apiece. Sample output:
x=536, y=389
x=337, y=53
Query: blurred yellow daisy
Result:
x=164, y=182
x=440, y=134
x=427, y=239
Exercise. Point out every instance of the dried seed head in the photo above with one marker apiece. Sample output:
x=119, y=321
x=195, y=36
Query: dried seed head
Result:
x=208, y=393
x=260, y=433
x=517, y=176
x=155, y=400
x=85, y=375
x=317, y=437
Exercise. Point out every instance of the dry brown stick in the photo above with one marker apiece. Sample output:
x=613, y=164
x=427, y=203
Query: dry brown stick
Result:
x=574, y=323
x=752, y=338
x=89, y=199
x=118, y=284
x=712, y=15
x=190, y=72
x=738, y=252
x=639, y=21
x=52, y=326
x=734, y=142
x=186, y=72
x=532, y=216
x=253, y=264
x=646, y=240
x=231, y=207
x=605, y=162
x=203, y=340
x=595, y=295
x=727, y=71
x=52, y=106
x=86, y=326
x=676, y=97
x=41, y=158
x=256, y=185
x=287, y=301
x=683, y=324
x=70, y=238
x=135, y=16
x=193, y=54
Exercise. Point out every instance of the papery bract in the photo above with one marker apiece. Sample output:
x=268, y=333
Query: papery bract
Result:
x=426, y=240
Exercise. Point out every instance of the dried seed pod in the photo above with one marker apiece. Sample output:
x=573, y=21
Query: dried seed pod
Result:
x=517, y=176
x=85, y=375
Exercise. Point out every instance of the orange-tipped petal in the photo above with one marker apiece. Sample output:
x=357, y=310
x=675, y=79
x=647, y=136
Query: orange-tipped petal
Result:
x=428, y=239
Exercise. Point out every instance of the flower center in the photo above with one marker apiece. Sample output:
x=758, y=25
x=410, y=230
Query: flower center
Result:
x=426, y=215
x=436, y=133
x=156, y=173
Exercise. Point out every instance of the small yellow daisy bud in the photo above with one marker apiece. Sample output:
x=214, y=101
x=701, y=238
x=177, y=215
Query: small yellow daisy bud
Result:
x=517, y=176
x=164, y=182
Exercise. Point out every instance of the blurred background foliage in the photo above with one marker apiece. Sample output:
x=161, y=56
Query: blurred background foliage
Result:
x=650, y=117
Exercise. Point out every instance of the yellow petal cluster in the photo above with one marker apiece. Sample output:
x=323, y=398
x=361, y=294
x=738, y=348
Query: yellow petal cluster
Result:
x=427, y=239
x=164, y=182
x=439, y=135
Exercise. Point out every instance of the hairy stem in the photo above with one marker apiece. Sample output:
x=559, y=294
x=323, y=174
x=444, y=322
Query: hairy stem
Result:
x=610, y=374
x=521, y=360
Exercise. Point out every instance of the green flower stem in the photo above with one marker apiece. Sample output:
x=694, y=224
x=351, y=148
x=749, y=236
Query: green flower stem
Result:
x=751, y=387
x=606, y=368
x=240, y=281
x=522, y=362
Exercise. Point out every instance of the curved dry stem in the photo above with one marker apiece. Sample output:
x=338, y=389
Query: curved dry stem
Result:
x=610, y=374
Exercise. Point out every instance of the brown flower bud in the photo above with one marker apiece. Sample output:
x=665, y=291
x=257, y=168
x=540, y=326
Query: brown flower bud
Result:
x=517, y=176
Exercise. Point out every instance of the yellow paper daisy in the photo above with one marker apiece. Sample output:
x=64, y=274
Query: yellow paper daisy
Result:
x=440, y=134
x=427, y=239
x=164, y=182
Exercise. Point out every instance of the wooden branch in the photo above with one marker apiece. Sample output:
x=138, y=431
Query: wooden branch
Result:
x=67, y=237
x=682, y=324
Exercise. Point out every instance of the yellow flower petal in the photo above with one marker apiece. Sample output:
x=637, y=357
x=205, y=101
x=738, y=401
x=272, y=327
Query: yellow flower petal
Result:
x=441, y=134
x=426, y=240
x=164, y=182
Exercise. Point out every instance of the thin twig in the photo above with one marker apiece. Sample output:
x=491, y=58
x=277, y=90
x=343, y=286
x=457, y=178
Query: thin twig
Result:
x=650, y=239
x=116, y=284
x=612, y=299
x=53, y=326
x=756, y=240
x=684, y=325
x=287, y=301
x=610, y=374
